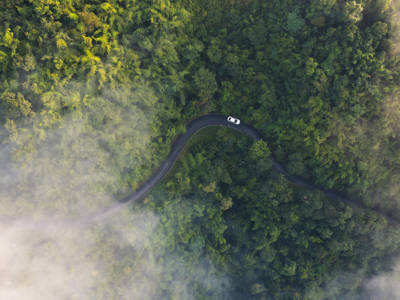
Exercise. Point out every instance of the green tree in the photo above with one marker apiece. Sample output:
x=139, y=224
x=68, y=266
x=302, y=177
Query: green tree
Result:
x=205, y=83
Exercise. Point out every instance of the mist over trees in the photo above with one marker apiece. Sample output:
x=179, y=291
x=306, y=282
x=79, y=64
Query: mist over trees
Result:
x=92, y=94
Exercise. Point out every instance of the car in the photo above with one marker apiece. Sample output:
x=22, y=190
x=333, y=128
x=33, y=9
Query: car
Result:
x=233, y=120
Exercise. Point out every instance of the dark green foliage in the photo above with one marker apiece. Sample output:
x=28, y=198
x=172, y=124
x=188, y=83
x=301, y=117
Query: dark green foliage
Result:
x=273, y=239
x=317, y=78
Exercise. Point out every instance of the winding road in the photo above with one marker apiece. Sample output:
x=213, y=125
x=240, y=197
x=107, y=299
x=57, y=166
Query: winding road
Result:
x=220, y=120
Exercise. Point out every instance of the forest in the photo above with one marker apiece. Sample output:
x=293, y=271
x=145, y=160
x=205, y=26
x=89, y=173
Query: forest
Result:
x=93, y=93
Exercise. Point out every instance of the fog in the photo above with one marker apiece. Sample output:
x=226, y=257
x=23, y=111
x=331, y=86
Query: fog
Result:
x=386, y=285
x=394, y=18
x=54, y=177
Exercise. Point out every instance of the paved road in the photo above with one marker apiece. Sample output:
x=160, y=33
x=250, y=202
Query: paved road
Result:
x=220, y=120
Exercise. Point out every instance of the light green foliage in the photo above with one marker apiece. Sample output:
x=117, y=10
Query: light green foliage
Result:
x=92, y=93
x=259, y=150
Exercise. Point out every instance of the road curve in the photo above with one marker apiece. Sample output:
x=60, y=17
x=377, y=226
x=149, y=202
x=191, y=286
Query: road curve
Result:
x=220, y=120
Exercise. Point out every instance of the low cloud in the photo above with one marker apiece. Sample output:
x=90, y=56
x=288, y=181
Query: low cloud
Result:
x=45, y=261
x=393, y=14
x=385, y=286
x=53, y=177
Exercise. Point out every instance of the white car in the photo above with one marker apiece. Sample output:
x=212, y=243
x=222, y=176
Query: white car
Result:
x=233, y=120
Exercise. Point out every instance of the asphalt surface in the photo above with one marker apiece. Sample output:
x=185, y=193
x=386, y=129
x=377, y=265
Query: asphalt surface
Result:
x=221, y=120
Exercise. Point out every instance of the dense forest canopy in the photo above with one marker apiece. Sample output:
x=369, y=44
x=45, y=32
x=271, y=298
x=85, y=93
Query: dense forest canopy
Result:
x=92, y=93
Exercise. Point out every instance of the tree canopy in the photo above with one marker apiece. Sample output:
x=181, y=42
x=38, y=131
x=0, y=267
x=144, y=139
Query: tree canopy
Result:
x=93, y=93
